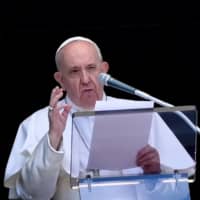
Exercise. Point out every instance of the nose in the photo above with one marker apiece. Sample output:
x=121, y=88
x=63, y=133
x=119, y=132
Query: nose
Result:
x=84, y=77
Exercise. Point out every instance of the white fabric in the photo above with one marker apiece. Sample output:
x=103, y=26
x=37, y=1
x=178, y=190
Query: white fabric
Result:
x=49, y=169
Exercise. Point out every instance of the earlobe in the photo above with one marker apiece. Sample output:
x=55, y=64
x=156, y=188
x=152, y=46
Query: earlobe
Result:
x=105, y=67
x=58, y=78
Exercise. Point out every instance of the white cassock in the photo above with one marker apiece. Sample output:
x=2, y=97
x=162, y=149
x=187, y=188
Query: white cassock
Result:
x=36, y=171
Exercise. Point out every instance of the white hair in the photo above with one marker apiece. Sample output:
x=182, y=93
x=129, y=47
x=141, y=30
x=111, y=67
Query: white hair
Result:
x=73, y=39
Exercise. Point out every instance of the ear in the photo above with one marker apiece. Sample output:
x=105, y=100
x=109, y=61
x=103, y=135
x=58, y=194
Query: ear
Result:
x=104, y=67
x=58, y=78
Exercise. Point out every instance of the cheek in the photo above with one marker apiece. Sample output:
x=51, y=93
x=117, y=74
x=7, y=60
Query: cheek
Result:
x=72, y=87
x=97, y=83
x=95, y=80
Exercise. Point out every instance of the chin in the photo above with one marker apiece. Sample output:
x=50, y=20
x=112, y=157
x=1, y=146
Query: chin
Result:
x=88, y=103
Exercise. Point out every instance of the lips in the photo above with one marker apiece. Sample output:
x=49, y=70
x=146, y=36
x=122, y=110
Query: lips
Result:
x=87, y=90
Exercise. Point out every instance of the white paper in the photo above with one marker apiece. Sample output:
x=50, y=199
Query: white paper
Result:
x=118, y=137
x=111, y=150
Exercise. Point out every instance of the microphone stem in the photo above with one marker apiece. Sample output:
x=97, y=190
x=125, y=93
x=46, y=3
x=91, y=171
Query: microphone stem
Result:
x=165, y=104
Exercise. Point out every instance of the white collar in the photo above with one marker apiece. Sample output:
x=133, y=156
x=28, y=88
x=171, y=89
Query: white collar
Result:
x=78, y=108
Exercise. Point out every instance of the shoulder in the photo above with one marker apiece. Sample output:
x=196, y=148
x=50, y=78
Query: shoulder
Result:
x=38, y=119
x=39, y=115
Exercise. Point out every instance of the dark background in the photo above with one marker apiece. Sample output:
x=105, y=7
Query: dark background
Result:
x=152, y=47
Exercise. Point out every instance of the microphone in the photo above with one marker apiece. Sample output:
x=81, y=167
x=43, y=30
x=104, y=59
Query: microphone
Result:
x=107, y=80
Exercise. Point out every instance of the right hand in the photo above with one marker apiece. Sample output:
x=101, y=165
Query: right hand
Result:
x=148, y=158
x=57, y=117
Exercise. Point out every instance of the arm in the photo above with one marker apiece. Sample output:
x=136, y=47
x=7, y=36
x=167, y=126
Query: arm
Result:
x=39, y=175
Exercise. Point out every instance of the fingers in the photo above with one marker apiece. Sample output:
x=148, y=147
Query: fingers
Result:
x=148, y=158
x=57, y=111
x=66, y=110
x=153, y=168
x=60, y=109
x=50, y=108
x=56, y=94
x=145, y=151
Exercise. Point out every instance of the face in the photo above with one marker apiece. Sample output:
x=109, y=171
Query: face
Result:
x=78, y=74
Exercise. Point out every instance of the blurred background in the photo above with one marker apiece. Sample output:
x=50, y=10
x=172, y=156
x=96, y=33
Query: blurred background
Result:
x=152, y=47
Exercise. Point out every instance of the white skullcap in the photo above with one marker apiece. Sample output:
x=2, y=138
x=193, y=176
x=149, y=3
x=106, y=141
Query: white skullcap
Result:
x=76, y=38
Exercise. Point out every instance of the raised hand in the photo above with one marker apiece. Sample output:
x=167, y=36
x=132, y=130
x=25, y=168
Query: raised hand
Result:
x=57, y=117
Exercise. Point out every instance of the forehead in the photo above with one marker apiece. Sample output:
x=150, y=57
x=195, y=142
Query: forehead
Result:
x=78, y=52
x=78, y=47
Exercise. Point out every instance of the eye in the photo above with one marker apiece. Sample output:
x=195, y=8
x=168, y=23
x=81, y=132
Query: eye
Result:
x=91, y=67
x=74, y=71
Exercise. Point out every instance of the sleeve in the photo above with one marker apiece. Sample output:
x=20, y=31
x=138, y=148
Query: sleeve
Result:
x=38, y=178
x=33, y=165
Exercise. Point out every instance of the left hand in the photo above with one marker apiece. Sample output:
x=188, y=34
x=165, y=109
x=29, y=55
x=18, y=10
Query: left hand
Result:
x=148, y=158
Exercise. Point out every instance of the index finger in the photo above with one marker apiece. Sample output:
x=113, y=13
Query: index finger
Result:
x=56, y=94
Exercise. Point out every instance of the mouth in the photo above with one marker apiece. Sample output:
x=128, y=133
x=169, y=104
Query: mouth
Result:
x=87, y=91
